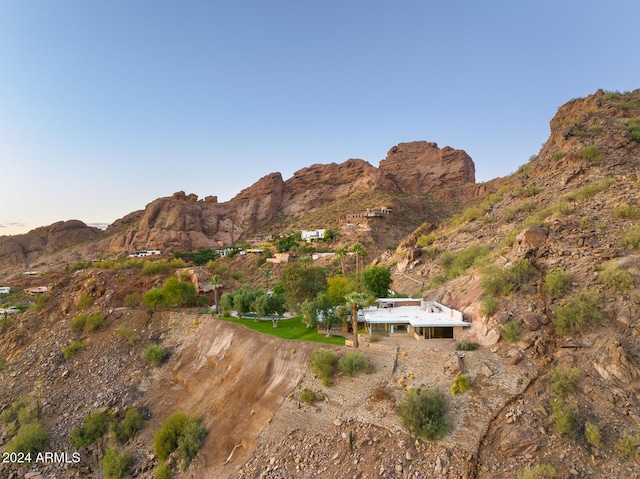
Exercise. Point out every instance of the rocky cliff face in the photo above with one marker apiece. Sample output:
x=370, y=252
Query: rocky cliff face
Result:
x=183, y=222
x=22, y=250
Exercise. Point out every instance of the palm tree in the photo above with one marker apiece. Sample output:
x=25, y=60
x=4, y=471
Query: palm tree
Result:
x=216, y=282
x=339, y=255
x=355, y=299
x=266, y=274
x=360, y=252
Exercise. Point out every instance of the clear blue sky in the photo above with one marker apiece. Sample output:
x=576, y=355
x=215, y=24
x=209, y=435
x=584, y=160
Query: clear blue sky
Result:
x=108, y=105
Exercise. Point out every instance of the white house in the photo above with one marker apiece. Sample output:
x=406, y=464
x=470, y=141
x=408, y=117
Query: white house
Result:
x=5, y=289
x=310, y=235
x=426, y=320
x=145, y=252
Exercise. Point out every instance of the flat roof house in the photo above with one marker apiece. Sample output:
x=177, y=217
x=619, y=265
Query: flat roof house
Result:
x=418, y=318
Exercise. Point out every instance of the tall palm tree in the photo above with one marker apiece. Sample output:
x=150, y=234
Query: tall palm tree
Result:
x=339, y=254
x=360, y=252
x=266, y=274
x=216, y=282
x=355, y=299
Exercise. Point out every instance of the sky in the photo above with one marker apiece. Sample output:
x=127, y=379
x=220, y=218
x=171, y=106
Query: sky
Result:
x=107, y=105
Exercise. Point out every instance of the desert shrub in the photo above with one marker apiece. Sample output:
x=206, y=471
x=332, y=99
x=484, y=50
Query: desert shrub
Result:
x=556, y=283
x=614, y=279
x=540, y=471
x=631, y=238
x=521, y=272
x=437, y=280
x=131, y=423
x=426, y=240
x=30, y=439
x=323, y=364
x=381, y=393
x=307, y=395
x=460, y=385
x=466, y=345
x=85, y=301
x=498, y=281
x=590, y=153
x=190, y=442
x=633, y=127
x=488, y=306
x=592, y=434
x=182, y=433
x=153, y=267
x=128, y=334
x=628, y=212
x=163, y=471
x=132, y=300
x=456, y=265
x=511, y=331
x=116, y=464
x=354, y=362
x=563, y=381
x=558, y=155
x=564, y=412
x=589, y=190
x=71, y=349
x=155, y=354
x=580, y=310
x=423, y=412
x=19, y=413
x=87, y=323
x=94, y=426
x=629, y=446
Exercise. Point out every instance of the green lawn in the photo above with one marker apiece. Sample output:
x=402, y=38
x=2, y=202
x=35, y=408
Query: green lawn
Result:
x=287, y=329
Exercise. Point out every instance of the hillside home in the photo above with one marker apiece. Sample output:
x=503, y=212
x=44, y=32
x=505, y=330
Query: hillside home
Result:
x=37, y=290
x=413, y=317
x=5, y=289
x=310, y=235
x=145, y=252
x=279, y=258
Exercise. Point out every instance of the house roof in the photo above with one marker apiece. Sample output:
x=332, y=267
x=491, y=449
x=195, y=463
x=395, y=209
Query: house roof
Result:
x=413, y=315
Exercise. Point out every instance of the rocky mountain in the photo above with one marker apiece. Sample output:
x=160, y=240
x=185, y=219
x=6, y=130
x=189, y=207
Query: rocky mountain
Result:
x=543, y=263
x=183, y=222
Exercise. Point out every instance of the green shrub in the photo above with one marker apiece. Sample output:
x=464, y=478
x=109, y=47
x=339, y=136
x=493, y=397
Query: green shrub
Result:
x=614, y=279
x=460, y=385
x=580, y=310
x=631, y=238
x=163, y=471
x=353, y=363
x=132, y=300
x=85, y=301
x=30, y=439
x=71, y=349
x=511, y=331
x=558, y=155
x=182, y=433
x=589, y=190
x=556, y=283
x=633, y=127
x=457, y=265
x=496, y=281
x=131, y=423
x=590, y=153
x=423, y=412
x=627, y=212
x=116, y=464
x=87, y=323
x=541, y=471
x=128, y=334
x=307, y=395
x=592, y=435
x=563, y=381
x=629, y=446
x=466, y=345
x=152, y=267
x=155, y=354
x=426, y=240
x=323, y=364
x=94, y=426
x=488, y=306
x=564, y=412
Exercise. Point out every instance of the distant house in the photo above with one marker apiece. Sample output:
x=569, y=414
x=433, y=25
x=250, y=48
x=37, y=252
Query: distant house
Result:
x=310, y=235
x=279, y=258
x=5, y=289
x=414, y=317
x=145, y=252
x=8, y=311
x=37, y=290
